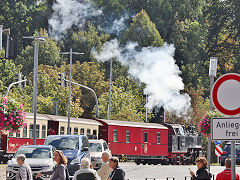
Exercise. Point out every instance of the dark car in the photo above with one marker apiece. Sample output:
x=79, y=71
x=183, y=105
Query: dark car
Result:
x=227, y=153
x=74, y=147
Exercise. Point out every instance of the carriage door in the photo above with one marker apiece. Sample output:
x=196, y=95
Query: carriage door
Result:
x=145, y=142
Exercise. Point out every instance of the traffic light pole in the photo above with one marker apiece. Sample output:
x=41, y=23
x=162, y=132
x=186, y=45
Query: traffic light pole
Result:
x=70, y=82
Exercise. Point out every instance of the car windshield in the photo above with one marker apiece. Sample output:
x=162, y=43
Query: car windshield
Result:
x=63, y=143
x=34, y=152
x=95, y=147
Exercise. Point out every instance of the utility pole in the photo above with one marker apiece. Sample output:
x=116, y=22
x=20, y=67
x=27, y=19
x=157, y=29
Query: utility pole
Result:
x=70, y=82
x=110, y=94
x=212, y=74
x=35, y=83
x=146, y=108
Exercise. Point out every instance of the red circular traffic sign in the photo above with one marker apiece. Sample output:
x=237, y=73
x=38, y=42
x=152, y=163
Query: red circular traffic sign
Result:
x=226, y=94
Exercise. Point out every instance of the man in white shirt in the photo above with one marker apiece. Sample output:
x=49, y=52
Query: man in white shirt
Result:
x=105, y=170
x=85, y=172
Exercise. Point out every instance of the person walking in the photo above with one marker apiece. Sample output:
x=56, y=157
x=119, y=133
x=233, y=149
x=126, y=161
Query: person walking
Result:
x=59, y=172
x=117, y=173
x=226, y=174
x=85, y=172
x=24, y=172
x=202, y=172
x=105, y=170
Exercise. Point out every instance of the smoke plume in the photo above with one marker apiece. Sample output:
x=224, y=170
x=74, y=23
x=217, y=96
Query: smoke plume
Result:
x=156, y=68
x=71, y=12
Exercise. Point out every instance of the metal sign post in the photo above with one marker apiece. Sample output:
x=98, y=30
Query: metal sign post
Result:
x=226, y=98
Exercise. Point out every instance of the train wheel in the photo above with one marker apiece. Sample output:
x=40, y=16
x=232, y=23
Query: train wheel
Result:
x=137, y=161
x=144, y=162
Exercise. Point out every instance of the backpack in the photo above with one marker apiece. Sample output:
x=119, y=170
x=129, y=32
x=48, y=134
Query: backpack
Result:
x=67, y=173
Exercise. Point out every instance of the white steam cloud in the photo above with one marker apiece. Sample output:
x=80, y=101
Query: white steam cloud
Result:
x=156, y=68
x=71, y=12
x=117, y=26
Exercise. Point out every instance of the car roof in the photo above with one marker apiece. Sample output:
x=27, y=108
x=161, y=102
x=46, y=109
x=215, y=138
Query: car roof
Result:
x=96, y=140
x=50, y=136
x=36, y=146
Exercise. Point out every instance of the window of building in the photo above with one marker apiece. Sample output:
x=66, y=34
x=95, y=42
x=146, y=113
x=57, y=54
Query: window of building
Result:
x=158, y=138
x=82, y=131
x=145, y=137
x=61, y=130
x=88, y=132
x=18, y=134
x=43, y=131
x=24, y=135
x=94, y=132
x=114, y=135
x=31, y=131
x=11, y=134
x=75, y=131
x=37, y=131
x=105, y=146
x=70, y=131
x=127, y=136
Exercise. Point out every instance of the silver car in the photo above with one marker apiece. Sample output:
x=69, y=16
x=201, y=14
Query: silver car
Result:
x=96, y=149
x=38, y=157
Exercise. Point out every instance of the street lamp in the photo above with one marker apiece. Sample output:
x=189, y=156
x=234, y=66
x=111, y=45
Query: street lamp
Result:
x=95, y=95
x=35, y=83
x=212, y=74
x=13, y=84
x=70, y=83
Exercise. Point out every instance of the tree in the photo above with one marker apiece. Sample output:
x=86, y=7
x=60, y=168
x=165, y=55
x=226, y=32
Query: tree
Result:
x=84, y=40
x=143, y=31
x=124, y=105
x=48, y=54
x=23, y=17
x=8, y=74
x=90, y=75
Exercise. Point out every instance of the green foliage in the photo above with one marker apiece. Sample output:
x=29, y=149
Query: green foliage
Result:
x=48, y=54
x=8, y=74
x=143, y=31
x=127, y=103
x=84, y=40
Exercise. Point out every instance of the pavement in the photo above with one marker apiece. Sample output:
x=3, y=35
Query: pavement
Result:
x=159, y=172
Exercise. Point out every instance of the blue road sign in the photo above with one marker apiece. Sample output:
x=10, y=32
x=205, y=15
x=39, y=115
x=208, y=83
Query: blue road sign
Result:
x=218, y=142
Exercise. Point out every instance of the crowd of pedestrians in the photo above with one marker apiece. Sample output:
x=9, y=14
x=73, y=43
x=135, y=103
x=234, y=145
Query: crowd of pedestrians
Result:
x=109, y=170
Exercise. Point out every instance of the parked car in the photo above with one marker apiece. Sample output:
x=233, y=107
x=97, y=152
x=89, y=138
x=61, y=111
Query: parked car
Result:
x=74, y=147
x=39, y=158
x=96, y=149
x=227, y=153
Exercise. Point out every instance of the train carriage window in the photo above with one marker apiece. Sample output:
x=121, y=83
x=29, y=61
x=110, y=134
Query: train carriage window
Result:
x=31, y=131
x=158, y=138
x=18, y=134
x=37, y=131
x=114, y=135
x=24, y=135
x=88, y=132
x=61, y=130
x=145, y=137
x=82, y=131
x=11, y=134
x=75, y=131
x=127, y=136
x=43, y=131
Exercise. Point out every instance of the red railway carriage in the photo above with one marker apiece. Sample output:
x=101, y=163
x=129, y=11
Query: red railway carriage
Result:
x=144, y=142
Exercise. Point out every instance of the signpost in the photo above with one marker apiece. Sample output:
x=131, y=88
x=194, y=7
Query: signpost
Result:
x=218, y=150
x=226, y=98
